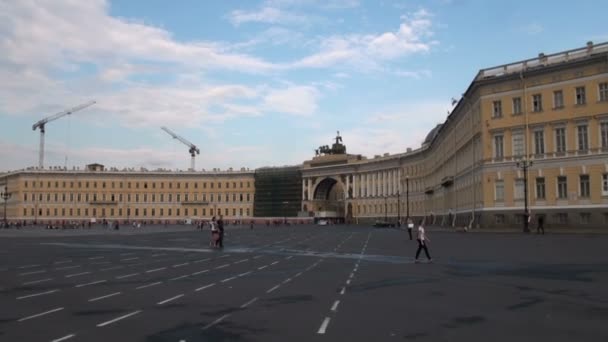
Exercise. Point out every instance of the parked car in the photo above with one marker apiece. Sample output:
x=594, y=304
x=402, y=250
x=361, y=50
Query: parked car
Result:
x=322, y=222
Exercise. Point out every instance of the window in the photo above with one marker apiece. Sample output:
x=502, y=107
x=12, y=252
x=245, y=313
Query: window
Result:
x=585, y=218
x=539, y=143
x=604, y=134
x=558, y=99
x=498, y=147
x=233, y=211
x=518, y=143
x=145, y=185
x=518, y=194
x=584, y=184
x=562, y=187
x=103, y=185
x=500, y=191
x=603, y=90
x=580, y=96
x=497, y=109
x=227, y=185
x=219, y=185
x=177, y=212
x=226, y=211
x=233, y=185
x=516, y=105
x=605, y=184
x=540, y=188
x=537, y=103
x=583, y=143
x=186, y=187
x=248, y=198
x=560, y=140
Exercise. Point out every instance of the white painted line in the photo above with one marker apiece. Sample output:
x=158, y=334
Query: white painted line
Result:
x=335, y=306
x=170, y=299
x=62, y=262
x=27, y=266
x=348, y=282
x=274, y=288
x=37, y=281
x=100, y=263
x=156, y=270
x=274, y=263
x=228, y=279
x=204, y=287
x=223, y=266
x=127, y=275
x=323, y=326
x=224, y=256
x=96, y=258
x=351, y=275
x=148, y=285
x=180, y=277
x=77, y=274
x=289, y=257
x=38, y=294
x=118, y=319
x=111, y=268
x=66, y=267
x=286, y=280
x=180, y=265
x=257, y=256
x=40, y=314
x=199, y=272
x=159, y=254
x=343, y=290
x=216, y=322
x=244, y=274
x=249, y=303
x=240, y=261
x=103, y=297
x=66, y=337
x=297, y=275
x=91, y=283
x=202, y=260
x=32, y=272
x=262, y=267
x=127, y=259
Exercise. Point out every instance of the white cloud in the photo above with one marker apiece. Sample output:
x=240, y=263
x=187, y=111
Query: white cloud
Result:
x=267, y=15
x=418, y=74
x=295, y=100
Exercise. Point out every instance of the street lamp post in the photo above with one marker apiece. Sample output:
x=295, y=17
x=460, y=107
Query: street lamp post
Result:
x=385, y=208
x=5, y=196
x=398, y=209
x=524, y=165
x=407, y=197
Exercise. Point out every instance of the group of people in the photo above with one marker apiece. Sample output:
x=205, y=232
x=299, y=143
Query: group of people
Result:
x=217, y=232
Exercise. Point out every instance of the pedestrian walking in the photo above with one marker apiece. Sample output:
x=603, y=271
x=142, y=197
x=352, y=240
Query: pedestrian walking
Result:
x=215, y=234
x=410, y=226
x=541, y=225
x=422, y=243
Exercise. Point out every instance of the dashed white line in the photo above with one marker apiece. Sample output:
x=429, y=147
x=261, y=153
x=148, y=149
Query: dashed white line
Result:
x=104, y=297
x=27, y=266
x=204, y=287
x=32, y=272
x=289, y=257
x=262, y=267
x=66, y=267
x=38, y=294
x=240, y=261
x=286, y=280
x=228, y=279
x=199, y=272
x=180, y=277
x=37, y=281
x=170, y=299
x=297, y=275
x=216, y=322
x=96, y=258
x=156, y=270
x=180, y=265
x=118, y=319
x=40, y=314
x=348, y=282
x=130, y=253
x=100, y=263
x=127, y=275
x=148, y=285
x=324, y=325
x=202, y=260
x=156, y=255
x=257, y=256
x=127, y=259
x=66, y=337
x=249, y=303
x=223, y=266
x=343, y=290
x=274, y=263
x=111, y=268
x=91, y=283
x=351, y=275
x=77, y=274
x=62, y=262
x=273, y=288
x=244, y=274
x=335, y=306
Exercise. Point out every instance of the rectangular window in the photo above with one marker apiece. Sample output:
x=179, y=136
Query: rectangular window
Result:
x=539, y=143
x=583, y=141
x=233, y=211
x=605, y=184
x=497, y=109
x=560, y=140
x=558, y=99
x=227, y=185
x=516, y=102
x=186, y=211
x=537, y=103
x=186, y=187
x=562, y=187
x=500, y=191
x=219, y=185
x=518, y=193
x=603, y=91
x=584, y=184
x=518, y=143
x=247, y=211
x=585, y=218
x=226, y=211
x=581, y=99
x=604, y=134
x=540, y=188
x=177, y=212
x=498, y=147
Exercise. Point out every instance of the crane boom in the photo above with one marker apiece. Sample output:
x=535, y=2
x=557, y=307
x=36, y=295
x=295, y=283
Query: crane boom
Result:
x=42, y=126
x=193, y=149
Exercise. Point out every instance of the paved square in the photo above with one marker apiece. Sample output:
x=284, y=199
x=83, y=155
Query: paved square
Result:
x=302, y=283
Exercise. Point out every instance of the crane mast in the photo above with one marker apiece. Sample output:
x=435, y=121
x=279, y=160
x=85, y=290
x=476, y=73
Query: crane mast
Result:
x=42, y=126
x=193, y=150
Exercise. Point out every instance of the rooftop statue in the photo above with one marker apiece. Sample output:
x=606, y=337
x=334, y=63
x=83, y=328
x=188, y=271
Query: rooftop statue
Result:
x=336, y=148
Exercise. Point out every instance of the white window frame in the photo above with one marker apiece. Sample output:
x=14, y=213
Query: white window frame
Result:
x=513, y=107
x=565, y=139
x=497, y=109
x=519, y=191
x=544, y=188
x=502, y=152
x=540, y=103
x=542, y=131
x=583, y=98
x=514, y=134
x=603, y=135
x=578, y=140
x=557, y=190
x=555, y=104
x=605, y=184
x=602, y=92
x=496, y=183
x=580, y=187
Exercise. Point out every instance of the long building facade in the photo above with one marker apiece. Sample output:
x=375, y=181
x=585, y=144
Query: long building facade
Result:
x=549, y=113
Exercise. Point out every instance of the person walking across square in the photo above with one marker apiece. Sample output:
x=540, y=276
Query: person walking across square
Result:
x=422, y=243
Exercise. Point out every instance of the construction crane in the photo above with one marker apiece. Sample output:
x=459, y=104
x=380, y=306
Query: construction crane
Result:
x=193, y=149
x=42, y=125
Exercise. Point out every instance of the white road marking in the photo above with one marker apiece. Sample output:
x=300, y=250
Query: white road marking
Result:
x=249, y=303
x=111, y=268
x=286, y=280
x=273, y=288
x=27, y=266
x=37, y=281
x=202, y=260
x=159, y=254
x=130, y=253
x=91, y=283
x=32, y=272
x=96, y=258
x=100, y=263
x=118, y=319
x=348, y=282
x=216, y=322
x=257, y=256
x=127, y=275
x=244, y=274
x=180, y=277
x=262, y=267
x=66, y=267
x=170, y=299
x=148, y=285
x=297, y=275
x=40, y=314
x=351, y=275
x=228, y=279
x=127, y=259
x=199, y=272
x=156, y=270
x=103, y=297
x=180, y=265
x=38, y=294
x=240, y=261
x=66, y=337
x=223, y=266
x=77, y=274
x=274, y=263
x=62, y=262
x=289, y=257
x=204, y=287
x=343, y=290
x=324, y=325
x=335, y=306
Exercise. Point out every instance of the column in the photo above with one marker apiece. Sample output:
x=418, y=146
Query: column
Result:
x=310, y=189
x=304, y=191
x=347, y=186
x=355, y=185
x=368, y=182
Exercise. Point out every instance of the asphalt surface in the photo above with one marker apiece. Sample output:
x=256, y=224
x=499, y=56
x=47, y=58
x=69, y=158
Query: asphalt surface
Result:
x=301, y=283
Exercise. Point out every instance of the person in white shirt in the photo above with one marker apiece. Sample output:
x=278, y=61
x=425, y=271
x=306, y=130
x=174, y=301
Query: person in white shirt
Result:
x=422, y=242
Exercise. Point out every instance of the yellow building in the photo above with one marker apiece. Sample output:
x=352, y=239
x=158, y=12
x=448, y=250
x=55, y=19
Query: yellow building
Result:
x=151, y=196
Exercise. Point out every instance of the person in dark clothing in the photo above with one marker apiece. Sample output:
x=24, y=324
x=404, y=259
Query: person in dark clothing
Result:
x=541, y=225
x=422, y=243
x=410, y=226
x=220, y=226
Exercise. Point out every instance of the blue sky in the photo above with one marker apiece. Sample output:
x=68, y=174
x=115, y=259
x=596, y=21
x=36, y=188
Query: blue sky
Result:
x=254, y=83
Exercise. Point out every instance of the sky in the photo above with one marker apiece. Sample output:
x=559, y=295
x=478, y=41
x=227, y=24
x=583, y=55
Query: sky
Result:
x=254, y=83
